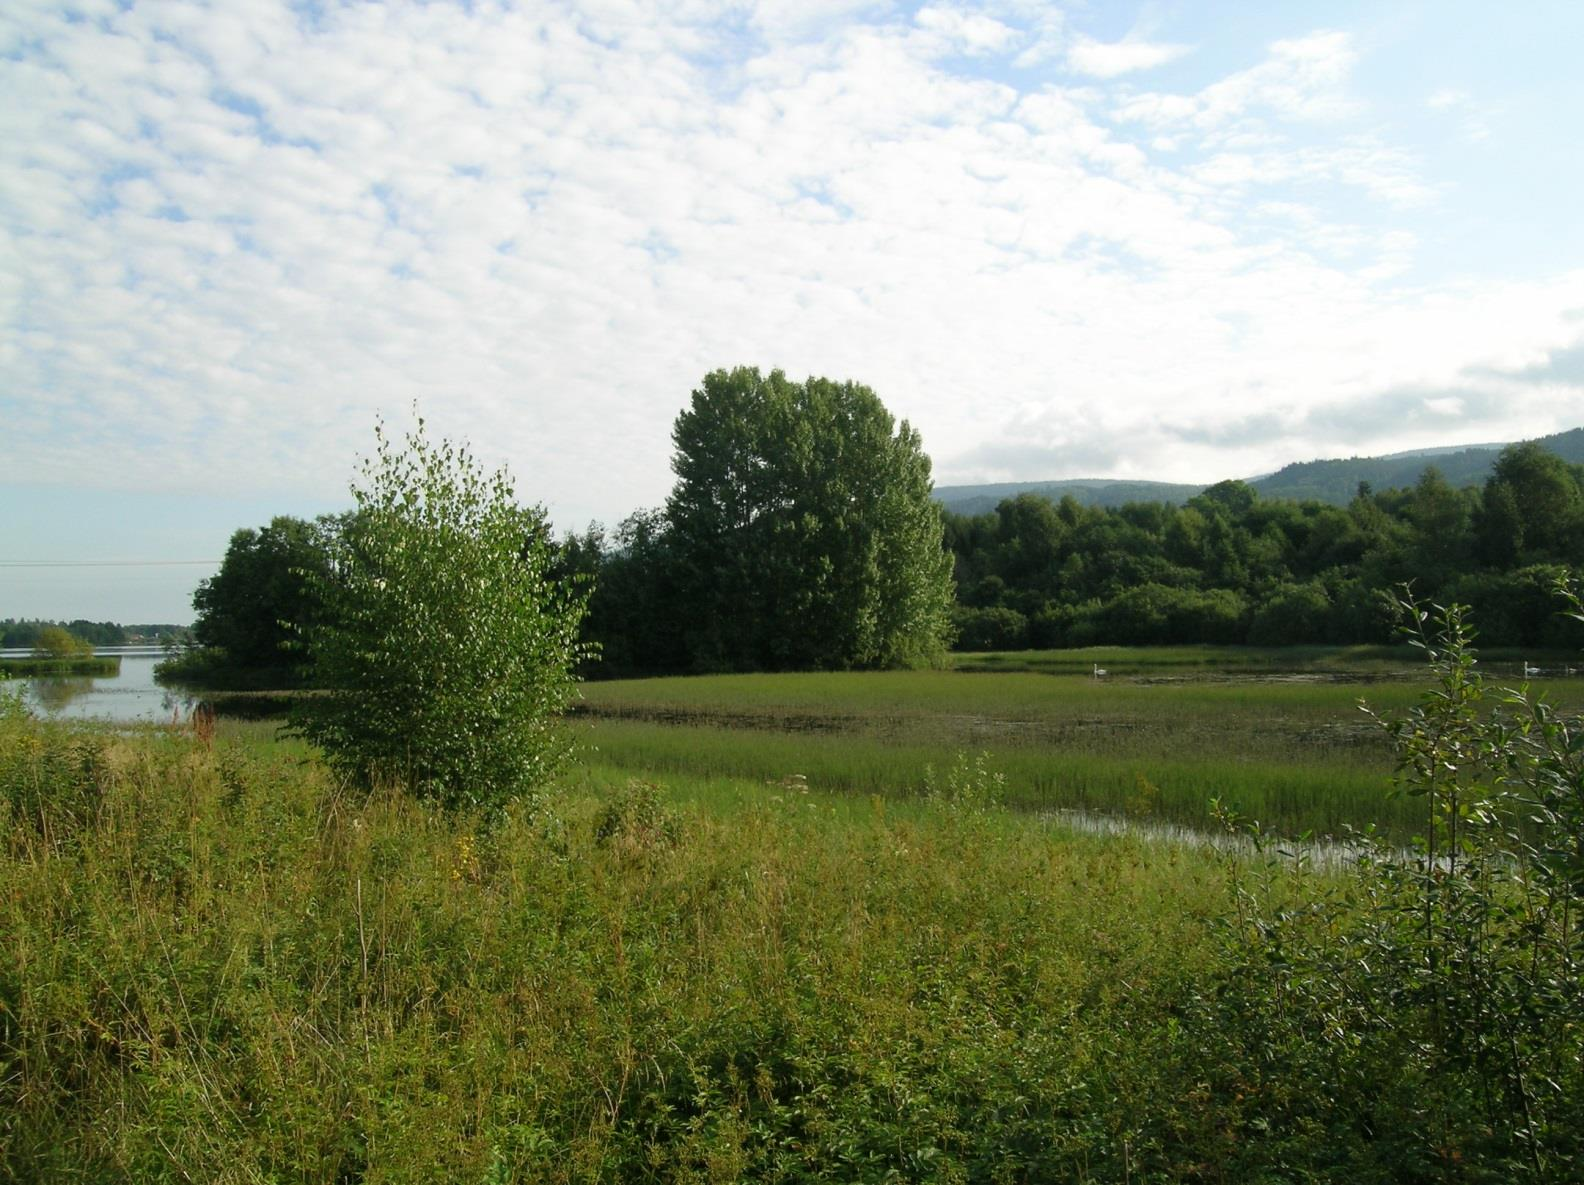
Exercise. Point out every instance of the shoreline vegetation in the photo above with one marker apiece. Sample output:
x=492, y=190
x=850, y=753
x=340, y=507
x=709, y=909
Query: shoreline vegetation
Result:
x=224, y=962
x=1275, y=732
x=103, y=666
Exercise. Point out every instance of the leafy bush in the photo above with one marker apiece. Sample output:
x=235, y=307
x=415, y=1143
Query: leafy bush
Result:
x=635, y=820
x=57, y=643
x=1433, y=1001
x=970, y=786
x=990, y=629
x=446, y=648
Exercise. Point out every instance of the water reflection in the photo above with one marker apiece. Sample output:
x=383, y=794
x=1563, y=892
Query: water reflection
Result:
x=54, y=692
x=129, y=695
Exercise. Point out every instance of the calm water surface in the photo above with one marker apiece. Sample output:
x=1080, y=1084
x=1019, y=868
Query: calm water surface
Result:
x=128, y=697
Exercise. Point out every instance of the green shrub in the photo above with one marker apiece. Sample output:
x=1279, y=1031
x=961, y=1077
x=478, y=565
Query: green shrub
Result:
x=446, y=649
x=56, y=643
x=1432, y=1002
x=635, y=819
x=990, y=629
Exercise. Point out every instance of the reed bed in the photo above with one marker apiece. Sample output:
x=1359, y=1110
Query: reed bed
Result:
x=1298, y=754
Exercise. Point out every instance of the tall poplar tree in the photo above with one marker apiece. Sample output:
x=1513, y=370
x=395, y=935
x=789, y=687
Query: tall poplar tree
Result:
x=803, y=529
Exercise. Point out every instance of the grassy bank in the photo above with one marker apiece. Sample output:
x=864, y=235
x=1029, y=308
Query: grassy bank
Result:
x=1359, y=660
x=26, y=667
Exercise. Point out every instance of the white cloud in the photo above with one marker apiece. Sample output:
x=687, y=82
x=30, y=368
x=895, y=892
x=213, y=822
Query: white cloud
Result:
x=963, y=30
x=1101, y=59
x=231, y=236
x=1449, y=100
x=1302, y=78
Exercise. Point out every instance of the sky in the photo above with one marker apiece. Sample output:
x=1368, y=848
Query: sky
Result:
x=1178, y=241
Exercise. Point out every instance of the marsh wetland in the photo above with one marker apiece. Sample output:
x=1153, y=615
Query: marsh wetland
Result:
x=891, y=926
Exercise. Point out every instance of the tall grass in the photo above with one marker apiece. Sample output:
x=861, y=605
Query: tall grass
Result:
x=104, y=665
x=221, y=966
x=1300, y=756
x=1288, y=796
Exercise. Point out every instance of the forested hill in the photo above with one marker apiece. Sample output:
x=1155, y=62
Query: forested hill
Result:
x=1333, y=482
x=1085, y=491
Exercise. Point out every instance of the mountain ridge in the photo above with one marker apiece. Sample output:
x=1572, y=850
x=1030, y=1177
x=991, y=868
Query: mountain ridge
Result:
x=1330, y=480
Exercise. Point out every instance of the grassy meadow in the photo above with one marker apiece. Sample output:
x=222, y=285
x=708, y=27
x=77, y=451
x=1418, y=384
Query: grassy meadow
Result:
x=220, y=966
x=1292, y=749
x=769, y=928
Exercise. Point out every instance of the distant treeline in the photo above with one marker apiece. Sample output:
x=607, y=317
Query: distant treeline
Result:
x=1335, y=481
x=1228, y=567
x=16, y=634
x=1233, y=567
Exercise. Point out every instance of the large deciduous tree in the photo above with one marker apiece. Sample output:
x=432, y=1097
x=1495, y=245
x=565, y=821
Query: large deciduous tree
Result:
x=445, y=644
x=254, y=606
x=802, y=528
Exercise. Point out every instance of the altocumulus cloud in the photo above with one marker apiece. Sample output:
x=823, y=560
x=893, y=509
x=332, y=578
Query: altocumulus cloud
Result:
x=236, y=232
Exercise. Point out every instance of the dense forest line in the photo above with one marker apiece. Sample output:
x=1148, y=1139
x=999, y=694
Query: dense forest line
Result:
x=1234, y=567
x=17, y=634
x=1229, y=567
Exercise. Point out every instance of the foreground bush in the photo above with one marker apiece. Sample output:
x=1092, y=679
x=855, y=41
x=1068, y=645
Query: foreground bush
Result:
x=1425, y=1017
x=444, y=646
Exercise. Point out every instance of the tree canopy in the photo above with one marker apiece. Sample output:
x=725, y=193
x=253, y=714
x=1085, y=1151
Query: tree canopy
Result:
x=801, y=529
x=57, y=643
x=1232, y=566
x=263, y=594
x=445, y=645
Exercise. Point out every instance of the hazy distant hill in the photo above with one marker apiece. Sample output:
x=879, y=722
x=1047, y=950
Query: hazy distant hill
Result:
x=1087, y=491
x=1337, y=481
x=1333, y=481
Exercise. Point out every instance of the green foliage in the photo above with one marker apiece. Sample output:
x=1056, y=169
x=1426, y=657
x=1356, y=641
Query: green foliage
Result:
x=1290, y=615
x=970, y=786
x=253, y=611
x=803, y=530
x=12, y=707
x=990, y=629
x=445, y=647
x=1233, y=567
x=231, y=969
x=636, y=617
x=59, y=645
x=638, y=820
x=1243, y=725
x=108, y=665
x=220, y=965
x=1433, y=1000
x=18, y=634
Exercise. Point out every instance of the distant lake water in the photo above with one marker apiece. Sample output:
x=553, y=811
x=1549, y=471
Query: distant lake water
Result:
x=128, y=697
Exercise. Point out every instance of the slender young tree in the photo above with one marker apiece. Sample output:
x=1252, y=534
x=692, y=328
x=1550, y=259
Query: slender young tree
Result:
x=445, y=646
